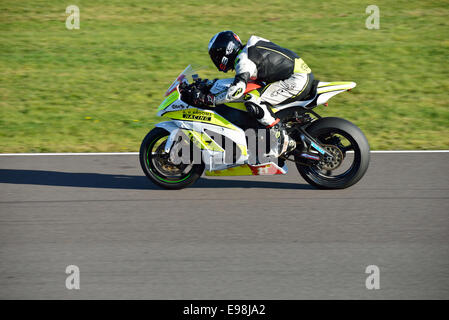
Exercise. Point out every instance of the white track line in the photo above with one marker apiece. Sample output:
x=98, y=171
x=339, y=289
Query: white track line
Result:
x=71, y=154
x=136, y=153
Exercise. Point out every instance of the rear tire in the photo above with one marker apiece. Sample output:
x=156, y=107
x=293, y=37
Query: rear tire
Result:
x=328, y=126
x=150, y=162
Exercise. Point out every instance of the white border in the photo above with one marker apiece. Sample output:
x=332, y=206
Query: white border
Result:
x=409, y=151
x=136, y=153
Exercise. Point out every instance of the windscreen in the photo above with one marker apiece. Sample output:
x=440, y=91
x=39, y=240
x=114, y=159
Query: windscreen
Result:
x=186, y=76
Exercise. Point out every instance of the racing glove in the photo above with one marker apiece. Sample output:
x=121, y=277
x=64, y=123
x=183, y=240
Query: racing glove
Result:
x=202, y=99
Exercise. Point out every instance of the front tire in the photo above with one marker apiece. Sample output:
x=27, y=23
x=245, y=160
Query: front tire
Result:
x=157, y=167
x=328, y=132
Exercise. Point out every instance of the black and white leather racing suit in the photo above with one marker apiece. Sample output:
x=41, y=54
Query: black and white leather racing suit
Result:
x=286, y=75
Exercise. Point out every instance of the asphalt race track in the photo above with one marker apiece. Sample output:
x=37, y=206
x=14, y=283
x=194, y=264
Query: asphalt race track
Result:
x=223, y=238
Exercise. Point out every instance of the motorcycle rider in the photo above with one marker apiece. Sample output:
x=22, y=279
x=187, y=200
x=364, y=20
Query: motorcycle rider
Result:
x=286, y=75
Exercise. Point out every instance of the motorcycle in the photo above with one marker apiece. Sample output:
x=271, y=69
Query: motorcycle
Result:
x=225, y=140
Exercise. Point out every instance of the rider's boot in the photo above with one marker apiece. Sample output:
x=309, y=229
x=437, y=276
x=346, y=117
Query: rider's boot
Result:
x=283, y=143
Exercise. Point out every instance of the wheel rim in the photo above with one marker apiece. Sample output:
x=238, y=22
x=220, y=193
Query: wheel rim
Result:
x=158, y=163
x=339, y=143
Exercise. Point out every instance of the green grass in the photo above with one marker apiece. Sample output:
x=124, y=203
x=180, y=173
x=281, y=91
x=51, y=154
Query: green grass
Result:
x=97, y=88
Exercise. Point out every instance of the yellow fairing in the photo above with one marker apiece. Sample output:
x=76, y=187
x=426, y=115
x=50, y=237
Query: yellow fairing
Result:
x=198, y=115
x=249, y=170
x=243, y=170
x=241, y=106
x=243, y=149
x=237, y=105
x=202, y=140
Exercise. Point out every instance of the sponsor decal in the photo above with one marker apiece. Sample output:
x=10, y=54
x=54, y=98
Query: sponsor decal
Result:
x=318, y=148
x=177, y=106
x=230, y=48
x=239, y=91
x=198, y=115
x=223, y=64
x=304, y=68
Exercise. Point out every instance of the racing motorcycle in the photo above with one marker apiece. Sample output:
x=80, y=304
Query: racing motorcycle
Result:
x=330, y=152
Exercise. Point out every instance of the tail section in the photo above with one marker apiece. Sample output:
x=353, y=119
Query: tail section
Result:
x=324, y=87
x=327, y=90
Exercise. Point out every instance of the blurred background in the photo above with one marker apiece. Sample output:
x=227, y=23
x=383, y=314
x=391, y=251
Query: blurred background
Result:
x=97, y=89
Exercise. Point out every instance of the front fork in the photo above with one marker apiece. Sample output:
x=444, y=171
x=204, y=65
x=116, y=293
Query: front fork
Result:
x=170, y=140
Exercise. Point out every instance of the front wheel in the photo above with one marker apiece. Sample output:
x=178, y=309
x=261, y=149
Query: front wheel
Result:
x=350, y=154
x=157, y=167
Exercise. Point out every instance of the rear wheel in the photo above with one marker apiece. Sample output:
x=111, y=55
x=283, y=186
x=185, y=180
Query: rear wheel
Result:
x=156, y=165
x=350, y=154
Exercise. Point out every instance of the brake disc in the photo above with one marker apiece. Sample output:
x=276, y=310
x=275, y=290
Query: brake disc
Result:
x=165, y=164
x=331, y=162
